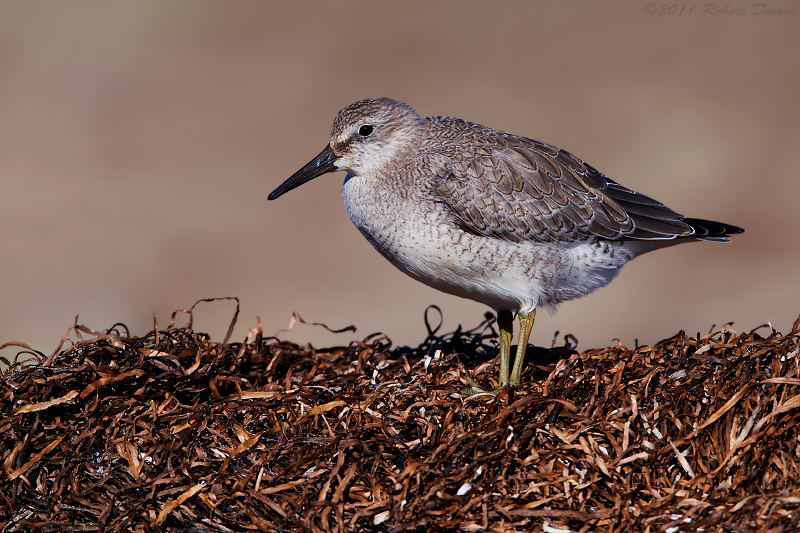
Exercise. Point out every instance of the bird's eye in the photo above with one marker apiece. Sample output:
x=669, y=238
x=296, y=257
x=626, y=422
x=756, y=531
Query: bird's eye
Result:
x=365, y=130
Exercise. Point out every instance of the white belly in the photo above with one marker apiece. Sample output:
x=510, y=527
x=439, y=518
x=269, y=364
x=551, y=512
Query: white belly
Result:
x=420, y=240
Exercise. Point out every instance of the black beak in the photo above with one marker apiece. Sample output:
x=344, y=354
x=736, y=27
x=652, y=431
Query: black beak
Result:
x=318, y=166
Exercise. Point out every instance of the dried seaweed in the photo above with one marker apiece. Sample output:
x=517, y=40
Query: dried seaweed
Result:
x=174, y=432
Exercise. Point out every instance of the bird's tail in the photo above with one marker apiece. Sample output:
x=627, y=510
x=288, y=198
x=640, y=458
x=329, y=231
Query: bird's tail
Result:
x=704, y=230
x=709, y=230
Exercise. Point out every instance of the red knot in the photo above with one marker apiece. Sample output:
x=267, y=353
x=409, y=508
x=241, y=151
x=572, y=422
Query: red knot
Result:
x=505, y=220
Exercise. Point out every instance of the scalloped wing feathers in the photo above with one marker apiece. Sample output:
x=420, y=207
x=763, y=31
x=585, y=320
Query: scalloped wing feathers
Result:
x=518, y=189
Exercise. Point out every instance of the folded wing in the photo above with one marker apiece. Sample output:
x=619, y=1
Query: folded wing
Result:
x=522, y=190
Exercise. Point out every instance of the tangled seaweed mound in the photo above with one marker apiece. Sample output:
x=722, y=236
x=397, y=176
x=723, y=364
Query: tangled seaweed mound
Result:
x=174, y=432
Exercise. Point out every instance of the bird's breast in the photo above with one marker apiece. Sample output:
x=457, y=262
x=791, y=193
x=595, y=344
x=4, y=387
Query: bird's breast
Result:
x=397, y=227
x=416, y=236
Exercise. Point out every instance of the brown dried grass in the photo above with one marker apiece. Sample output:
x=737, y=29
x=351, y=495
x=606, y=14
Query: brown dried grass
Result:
x=174, y=432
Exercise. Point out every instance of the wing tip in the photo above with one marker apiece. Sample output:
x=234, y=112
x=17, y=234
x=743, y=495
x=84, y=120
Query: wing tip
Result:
x=711, y=230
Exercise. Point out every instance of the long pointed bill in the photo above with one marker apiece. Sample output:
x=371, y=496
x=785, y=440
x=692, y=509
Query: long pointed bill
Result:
x=318, y=166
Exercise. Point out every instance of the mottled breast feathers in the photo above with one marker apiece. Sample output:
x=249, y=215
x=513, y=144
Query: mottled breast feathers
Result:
x=522, y=190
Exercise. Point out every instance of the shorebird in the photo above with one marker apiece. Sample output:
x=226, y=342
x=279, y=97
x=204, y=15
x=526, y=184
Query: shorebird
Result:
x=505, y=220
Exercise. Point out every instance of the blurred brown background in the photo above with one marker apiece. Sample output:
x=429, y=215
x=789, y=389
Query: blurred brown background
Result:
x=139, y=141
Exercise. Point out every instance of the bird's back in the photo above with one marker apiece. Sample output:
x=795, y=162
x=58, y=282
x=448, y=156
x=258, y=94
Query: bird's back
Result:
x=522, y=190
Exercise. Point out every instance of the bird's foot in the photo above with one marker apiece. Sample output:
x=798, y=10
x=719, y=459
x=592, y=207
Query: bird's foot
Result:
x=475, y=389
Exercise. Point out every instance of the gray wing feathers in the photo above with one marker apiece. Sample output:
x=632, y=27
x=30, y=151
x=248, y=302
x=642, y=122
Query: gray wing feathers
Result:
x=524, y=190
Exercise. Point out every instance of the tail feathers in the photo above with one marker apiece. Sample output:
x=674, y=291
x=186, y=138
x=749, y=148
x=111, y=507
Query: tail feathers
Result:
x=702, y=230
x=709, y=230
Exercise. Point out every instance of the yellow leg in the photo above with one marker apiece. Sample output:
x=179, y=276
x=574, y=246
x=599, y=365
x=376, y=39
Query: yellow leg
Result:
x=505, y=321
x=525, y=326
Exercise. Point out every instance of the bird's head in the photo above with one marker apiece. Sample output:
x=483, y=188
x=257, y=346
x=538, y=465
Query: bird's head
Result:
x=366, y=136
